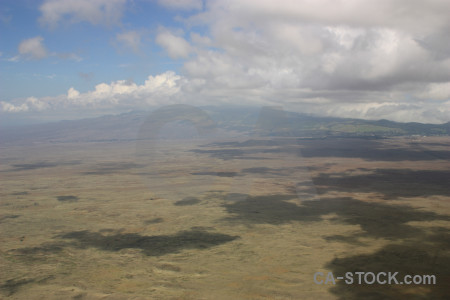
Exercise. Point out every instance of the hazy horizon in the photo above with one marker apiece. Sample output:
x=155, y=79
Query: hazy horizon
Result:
x=224, y=149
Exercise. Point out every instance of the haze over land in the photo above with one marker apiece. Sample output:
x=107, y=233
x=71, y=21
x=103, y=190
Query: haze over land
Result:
x=229, y=120
x=190, y=203
x=223, y=149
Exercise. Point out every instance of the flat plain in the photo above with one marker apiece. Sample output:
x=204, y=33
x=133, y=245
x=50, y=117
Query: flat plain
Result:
x=243, y=218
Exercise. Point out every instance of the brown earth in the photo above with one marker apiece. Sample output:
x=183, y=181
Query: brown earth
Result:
x=235, y=219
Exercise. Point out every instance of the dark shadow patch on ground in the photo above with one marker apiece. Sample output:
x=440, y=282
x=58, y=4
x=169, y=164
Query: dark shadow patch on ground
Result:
x=231, y=197
x=150, y=245
x=219, y=174
x=227, y=154
x=272, y=209
x=234, y=197
x=42, y=164
x=112, y=167
x=33, y=166
x=377, y=220
x=5, y=217
x=67, y=198
x=440, y=236
x=202, y=228
x=256, y=170
x=224, y=154
x=111, y=230
x=39, y=252
x=263, y=170
x=371, y=150
x=154, y=221
x=187, y=201
x=368, y=149
x=351, y=239
x=255, y=143
x=276, y=172
x=11, y=286
x=392, y=183
x=406, y=259
x=19, y=193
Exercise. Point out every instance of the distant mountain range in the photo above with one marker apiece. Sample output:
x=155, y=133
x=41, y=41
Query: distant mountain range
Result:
x=231, y=120
x=273, y=122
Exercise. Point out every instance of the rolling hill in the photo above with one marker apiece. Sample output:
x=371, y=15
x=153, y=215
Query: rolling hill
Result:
x=231, y=120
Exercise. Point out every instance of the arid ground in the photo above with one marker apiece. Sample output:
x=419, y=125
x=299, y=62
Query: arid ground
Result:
x=247, y=218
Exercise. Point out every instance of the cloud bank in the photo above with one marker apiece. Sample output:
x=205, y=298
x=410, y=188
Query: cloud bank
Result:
x=105, y=12
x=155, y=91
x=361, y=59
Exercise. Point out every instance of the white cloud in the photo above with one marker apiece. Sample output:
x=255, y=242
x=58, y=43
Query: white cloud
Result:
x=15, y=58
x=105, y=12
x=156, y=90
x=30, y=104
x=36, y=104
x=182, y=4
x=418, y=16
x=401, y=112
x=200, y=40
x=176, y=46
x=170, y=88
x=130, y=40
x=328, y=48
x=72, y=94
x=439, y=91
x=8, y=107
x=361, y=59
x=33, y=48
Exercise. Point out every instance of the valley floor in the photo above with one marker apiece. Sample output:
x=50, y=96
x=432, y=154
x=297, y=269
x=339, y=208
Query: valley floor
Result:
x=230, y=219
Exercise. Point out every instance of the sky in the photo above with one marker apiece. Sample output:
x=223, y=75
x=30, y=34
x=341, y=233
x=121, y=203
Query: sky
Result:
x=72, y=59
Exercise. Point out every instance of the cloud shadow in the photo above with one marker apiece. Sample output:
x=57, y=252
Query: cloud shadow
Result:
x=406, y=259
x=392, y=183
x=112, y=167
x=42, y=165
x=377, y=220
x=150, y=245
x=187, y=201
x=367, y=149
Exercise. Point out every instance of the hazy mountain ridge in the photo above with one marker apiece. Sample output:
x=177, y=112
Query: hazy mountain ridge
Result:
x=273, y=122
x=264, y=122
